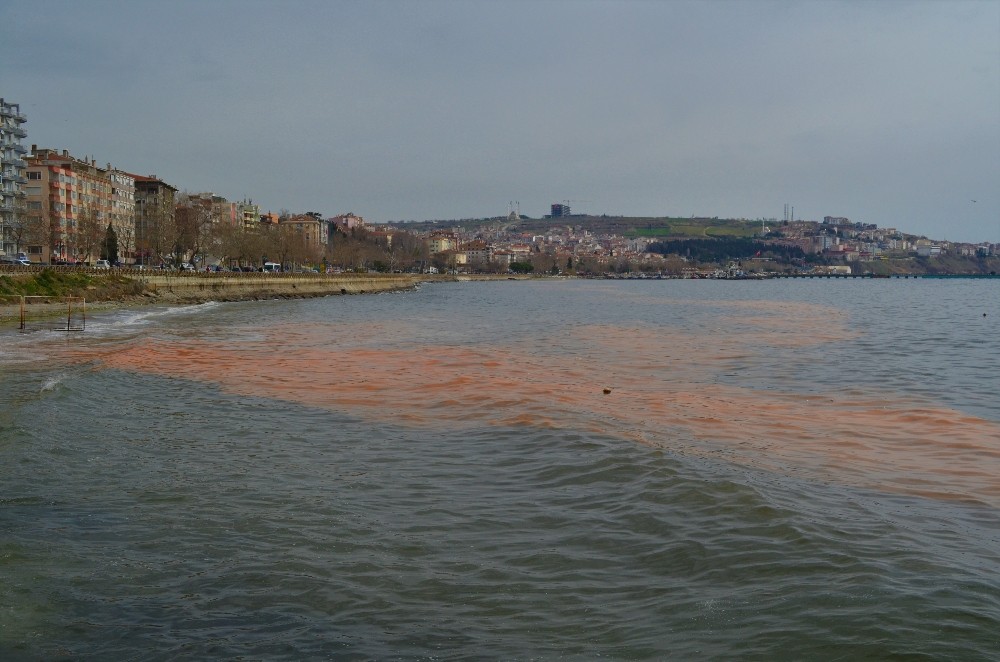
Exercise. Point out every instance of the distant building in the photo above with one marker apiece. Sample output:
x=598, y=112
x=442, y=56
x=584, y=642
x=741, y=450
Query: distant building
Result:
x=348, y=221
x=12, y=178
x=123, y=210
x=442, y=241
x=248, y=214
x=154, y=211
x=221, y=211
x=71, y=203
x=383, y=235
x=312, y=230
x=503, y=258
x=560, y=210
x=476, y=252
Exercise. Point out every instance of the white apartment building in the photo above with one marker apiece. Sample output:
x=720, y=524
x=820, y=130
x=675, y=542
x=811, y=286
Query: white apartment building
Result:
x=12, y=180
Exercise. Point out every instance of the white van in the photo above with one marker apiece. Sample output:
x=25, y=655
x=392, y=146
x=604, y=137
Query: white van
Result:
x=15, y=261
x=271, y=268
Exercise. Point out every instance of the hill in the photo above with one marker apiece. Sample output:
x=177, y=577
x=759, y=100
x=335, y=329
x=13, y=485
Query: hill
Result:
x=661, y=227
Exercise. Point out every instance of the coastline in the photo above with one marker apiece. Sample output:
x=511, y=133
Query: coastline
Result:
x=144, y=289
x=178, y=289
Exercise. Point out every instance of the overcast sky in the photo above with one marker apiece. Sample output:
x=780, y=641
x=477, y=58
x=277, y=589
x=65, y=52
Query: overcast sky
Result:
x=884, y=112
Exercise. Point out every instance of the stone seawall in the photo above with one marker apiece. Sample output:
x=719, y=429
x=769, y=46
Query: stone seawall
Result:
x=232, y=287
x=150, y=287
x=119, y=288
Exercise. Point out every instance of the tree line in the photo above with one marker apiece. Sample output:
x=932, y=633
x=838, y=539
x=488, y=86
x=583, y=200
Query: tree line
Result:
x=725, y=249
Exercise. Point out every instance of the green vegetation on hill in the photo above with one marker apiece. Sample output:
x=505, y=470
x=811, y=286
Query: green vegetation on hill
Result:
x=725, y=249
x=674, y=228
x=626, y=226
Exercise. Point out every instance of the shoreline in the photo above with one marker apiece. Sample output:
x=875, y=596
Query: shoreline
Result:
x=183, y=289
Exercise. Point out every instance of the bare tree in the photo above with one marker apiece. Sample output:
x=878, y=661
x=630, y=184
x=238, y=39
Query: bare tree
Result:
x=192, y=228
x=126, y=241
x=90, y=229
x=27, y=228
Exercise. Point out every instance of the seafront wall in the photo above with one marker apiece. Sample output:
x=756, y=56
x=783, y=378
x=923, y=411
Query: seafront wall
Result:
x=132, y=287
x=242, y=286
x=115, y=288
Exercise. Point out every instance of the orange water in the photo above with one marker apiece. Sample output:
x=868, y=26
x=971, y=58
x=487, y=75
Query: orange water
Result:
x=661, y=393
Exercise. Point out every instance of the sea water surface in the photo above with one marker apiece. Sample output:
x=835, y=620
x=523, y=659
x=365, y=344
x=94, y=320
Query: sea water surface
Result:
x=510, y=470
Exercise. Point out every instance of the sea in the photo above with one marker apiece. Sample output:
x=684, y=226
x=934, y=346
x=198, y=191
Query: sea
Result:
x=510, y=470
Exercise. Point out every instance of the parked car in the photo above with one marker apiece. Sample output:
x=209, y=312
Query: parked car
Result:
x=15, y=261
x=102, y=264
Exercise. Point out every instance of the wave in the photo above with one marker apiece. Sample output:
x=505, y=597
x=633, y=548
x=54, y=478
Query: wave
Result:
x=130, y=318
x=51, y=383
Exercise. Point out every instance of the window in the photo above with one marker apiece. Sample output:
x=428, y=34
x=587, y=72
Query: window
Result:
x=34, y=175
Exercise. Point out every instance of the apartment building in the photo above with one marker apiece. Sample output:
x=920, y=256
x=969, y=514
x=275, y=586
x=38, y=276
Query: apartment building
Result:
x=348, y=221
x=154, y=218
x=441, y=241
x=313, y=230
x=123, y=210
x=12, y=180
x=248, y=214
x=70, y=202
x=220, y=210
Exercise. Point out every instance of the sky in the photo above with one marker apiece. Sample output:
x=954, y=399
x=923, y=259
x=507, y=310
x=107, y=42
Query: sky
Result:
x=885, y=112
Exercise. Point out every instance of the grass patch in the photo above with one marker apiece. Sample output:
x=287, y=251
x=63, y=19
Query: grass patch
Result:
x=58, y=284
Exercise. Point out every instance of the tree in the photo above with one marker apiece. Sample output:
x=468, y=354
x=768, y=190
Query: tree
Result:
x=155, y=229
x=521, y=267
x=109, y=247
x=125, y=237
x=26, y=228
x=192, y=228
x=89, y=231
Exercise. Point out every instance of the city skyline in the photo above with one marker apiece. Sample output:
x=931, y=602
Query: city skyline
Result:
x=885, y=113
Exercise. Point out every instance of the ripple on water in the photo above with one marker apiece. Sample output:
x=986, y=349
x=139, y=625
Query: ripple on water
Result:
x=310, y=491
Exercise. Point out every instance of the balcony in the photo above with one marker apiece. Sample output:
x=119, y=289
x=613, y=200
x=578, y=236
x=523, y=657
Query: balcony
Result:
x=20, y=149
x=18, y=131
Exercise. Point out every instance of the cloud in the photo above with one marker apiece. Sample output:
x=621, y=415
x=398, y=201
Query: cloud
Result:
x=451, y=109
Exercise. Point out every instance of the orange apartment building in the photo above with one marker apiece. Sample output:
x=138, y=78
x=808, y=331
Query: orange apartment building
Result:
x=73, y=201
